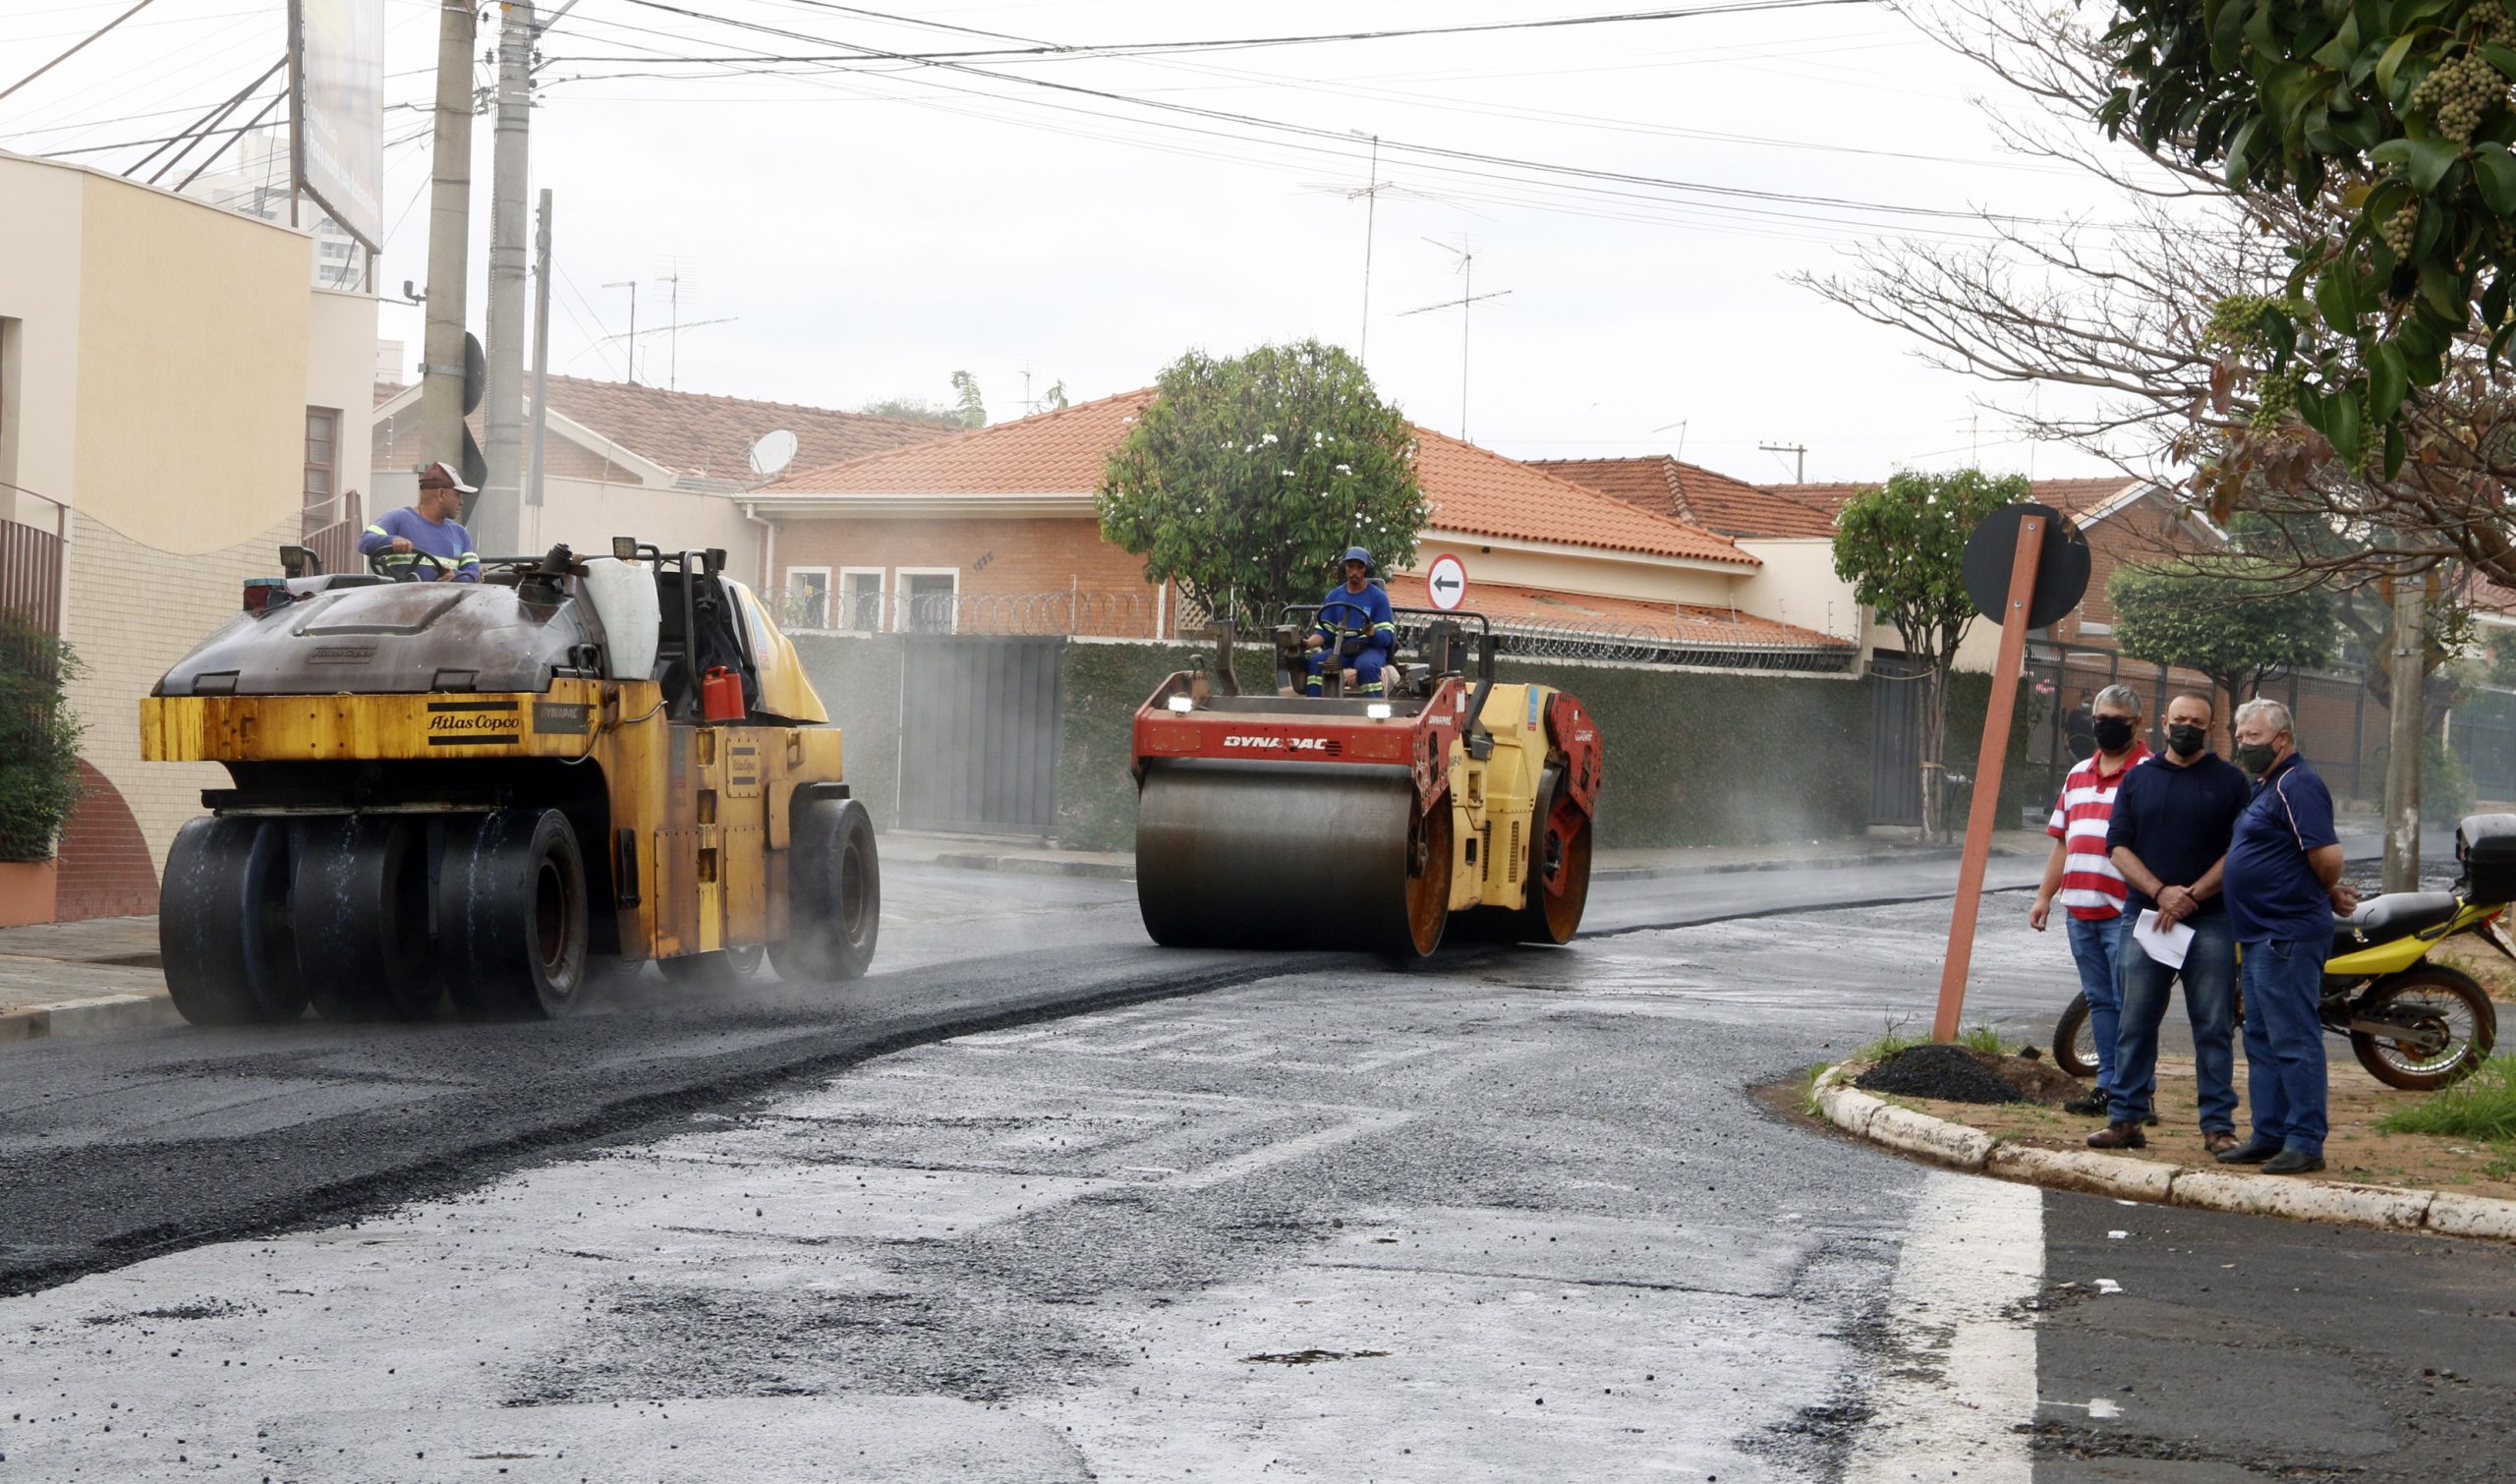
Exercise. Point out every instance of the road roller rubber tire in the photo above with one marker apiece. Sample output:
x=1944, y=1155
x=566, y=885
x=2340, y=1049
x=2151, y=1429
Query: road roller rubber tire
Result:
x=834, y=896
x=722, y=969
x=1553, y=917
x=364, y=940
x=224, y=929
x=1313, y=855
x=513, y=911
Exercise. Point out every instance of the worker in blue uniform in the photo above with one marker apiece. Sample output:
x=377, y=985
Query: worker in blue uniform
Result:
x=424, y=541
x=1356, y=630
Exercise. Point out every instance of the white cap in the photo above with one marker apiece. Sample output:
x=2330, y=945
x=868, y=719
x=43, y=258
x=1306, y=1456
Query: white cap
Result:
x=451, y=477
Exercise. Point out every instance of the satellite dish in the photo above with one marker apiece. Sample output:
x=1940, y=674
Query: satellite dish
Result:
x=771, y=452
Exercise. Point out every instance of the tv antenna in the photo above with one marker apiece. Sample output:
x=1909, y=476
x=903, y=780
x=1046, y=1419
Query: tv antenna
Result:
x=671, y=278
x=1469, y=296
x=1681, y=427
x=1799, y=451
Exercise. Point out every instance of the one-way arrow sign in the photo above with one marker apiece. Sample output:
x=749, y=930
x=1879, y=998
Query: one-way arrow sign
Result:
x=1447, y=580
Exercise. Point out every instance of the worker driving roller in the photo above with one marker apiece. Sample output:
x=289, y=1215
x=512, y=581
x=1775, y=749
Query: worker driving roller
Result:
x=1356, y=630
x=423, y=541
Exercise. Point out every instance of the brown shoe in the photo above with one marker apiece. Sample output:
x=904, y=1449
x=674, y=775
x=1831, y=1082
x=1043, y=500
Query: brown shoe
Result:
x=2217, y=1144
x=2119, y=1136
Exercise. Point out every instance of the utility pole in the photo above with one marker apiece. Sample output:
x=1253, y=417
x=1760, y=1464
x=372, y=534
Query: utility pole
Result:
x=2402, y=769
x=1799, y=451
x=631, y=284
x=449, y=234
x=540, y=355
x=497, y=519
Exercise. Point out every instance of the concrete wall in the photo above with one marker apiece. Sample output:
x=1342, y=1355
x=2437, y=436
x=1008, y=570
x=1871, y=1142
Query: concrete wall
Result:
x=1603, y=573
x=1798, y=585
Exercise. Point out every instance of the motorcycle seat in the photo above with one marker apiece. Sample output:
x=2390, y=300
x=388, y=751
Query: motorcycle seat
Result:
x=2396, y=914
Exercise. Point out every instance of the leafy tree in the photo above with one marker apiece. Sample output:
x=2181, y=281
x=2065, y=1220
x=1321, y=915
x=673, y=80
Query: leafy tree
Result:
x=965, y=390
x=2233, y=622
x=2400, y=113
x=1901, y=546
x=1053, y=399
x=914, y=409
x=1248, y=475
x=39, y=740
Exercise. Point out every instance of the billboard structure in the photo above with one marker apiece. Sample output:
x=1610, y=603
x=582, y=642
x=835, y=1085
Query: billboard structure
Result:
x=336, y=92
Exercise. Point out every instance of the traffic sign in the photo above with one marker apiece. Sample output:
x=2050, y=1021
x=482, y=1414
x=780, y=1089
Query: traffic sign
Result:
x=2061, y=567
x=1447, y=581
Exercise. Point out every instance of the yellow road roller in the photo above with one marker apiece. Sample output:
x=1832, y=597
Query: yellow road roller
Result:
x=477, y=791
x=1365, y=822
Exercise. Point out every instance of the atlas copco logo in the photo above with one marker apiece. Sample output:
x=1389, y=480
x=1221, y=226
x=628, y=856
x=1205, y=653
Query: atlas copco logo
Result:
x=1282, y=744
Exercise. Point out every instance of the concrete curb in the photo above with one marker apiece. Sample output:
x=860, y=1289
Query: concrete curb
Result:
x=1025, y=864
x=83, y=1017
x=2336, y=1202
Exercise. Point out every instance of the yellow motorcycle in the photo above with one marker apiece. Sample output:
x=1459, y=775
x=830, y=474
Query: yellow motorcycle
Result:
x=2413, y=1024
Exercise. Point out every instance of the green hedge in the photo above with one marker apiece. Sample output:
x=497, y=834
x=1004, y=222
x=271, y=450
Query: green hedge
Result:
x=1969, y=697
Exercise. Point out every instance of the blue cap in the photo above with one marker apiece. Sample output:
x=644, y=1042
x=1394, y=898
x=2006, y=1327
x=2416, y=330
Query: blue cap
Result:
x=1357, y=554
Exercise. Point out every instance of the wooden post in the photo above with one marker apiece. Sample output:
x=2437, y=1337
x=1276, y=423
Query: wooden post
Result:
x=2002, y=705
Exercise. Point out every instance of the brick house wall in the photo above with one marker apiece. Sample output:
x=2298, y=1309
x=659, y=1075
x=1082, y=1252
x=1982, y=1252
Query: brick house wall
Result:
x=105, y=867
x=989, y=556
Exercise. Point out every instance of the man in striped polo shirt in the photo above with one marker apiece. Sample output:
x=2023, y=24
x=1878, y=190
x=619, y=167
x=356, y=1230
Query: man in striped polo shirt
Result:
x=2081, y=876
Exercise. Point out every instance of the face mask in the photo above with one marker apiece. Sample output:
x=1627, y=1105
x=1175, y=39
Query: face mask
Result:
x=2188, y=741
x=2254, y=758
x=2113, y=733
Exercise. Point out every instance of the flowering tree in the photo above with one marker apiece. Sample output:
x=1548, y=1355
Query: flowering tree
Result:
x=1247, y=477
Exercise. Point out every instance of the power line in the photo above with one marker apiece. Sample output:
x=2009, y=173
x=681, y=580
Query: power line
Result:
x=83, y=43
x=1237, y=43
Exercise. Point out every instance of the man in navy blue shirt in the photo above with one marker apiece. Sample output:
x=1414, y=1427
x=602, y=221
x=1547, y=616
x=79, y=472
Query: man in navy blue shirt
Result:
x=1354, y=612
x=2168, y=834
x=2283, y=885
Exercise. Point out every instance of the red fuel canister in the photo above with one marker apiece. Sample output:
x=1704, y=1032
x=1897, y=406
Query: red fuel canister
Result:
x=720, y=694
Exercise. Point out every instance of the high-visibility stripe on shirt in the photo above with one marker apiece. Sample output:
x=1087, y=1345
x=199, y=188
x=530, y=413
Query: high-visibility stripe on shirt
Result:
x=2092, y=889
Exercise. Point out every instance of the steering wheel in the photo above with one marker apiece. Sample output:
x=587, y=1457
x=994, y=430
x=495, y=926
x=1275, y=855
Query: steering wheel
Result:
x=1349, y=645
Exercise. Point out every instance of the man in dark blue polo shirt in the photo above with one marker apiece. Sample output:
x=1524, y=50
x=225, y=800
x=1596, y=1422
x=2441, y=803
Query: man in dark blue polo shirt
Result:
x=2283, y=885
x=2168, y=836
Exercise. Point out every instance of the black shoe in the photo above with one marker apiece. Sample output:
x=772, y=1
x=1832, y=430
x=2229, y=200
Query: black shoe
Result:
x=2248, y=1153
x=2293, y=1162
x=2089, y=1106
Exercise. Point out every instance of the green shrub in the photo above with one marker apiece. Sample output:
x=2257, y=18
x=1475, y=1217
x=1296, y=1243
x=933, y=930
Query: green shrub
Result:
x=38, y=741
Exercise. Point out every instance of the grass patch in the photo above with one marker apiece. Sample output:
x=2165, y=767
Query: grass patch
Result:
x=1982, y=1038
x=2481, y=1107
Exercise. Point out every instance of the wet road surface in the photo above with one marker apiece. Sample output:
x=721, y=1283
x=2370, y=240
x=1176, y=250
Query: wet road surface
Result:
x=1073, y=1209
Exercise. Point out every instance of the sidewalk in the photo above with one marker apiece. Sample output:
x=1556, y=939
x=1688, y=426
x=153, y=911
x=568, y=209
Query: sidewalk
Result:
x=67, y=979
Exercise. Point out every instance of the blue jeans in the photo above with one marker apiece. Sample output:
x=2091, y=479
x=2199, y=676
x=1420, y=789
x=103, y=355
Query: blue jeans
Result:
x=2284, y=1042
x=2094, y=946
x=2209, y=976
x=1365, y=666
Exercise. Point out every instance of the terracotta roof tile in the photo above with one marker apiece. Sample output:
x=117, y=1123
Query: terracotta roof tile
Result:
x=1582, y=612
x=1052, y=453
x=710, y=437
x=1690, y=492
x=1472, y=491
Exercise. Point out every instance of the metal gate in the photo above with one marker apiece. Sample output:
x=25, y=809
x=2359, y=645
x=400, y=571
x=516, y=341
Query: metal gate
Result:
x=978, y=733
x=1896, y=740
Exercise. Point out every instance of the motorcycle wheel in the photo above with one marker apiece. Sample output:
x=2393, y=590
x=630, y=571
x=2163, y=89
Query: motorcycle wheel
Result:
x=2075, y=1039
x=2432, y=991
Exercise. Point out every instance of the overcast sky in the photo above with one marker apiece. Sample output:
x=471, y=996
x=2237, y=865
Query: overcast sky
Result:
x=864, y=233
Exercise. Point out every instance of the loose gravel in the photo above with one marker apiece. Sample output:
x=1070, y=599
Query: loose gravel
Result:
x=1948, y=1072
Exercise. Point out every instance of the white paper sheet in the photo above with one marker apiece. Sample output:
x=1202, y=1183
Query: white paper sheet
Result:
x=2166, y=944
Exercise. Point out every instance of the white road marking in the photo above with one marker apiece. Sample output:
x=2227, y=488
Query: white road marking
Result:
x=1975, y=1250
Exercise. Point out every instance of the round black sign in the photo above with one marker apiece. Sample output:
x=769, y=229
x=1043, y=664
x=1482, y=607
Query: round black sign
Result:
x=2061, y=571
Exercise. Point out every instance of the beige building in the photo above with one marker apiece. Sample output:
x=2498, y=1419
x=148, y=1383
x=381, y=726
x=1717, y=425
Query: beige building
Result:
x=172, y=400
